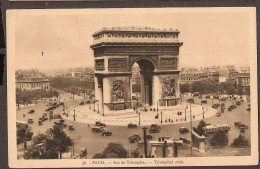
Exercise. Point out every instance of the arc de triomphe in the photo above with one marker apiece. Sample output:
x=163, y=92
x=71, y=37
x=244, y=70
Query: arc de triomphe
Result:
x=157, y=54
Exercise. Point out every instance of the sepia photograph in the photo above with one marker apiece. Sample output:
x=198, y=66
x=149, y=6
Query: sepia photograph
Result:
x=132, y=87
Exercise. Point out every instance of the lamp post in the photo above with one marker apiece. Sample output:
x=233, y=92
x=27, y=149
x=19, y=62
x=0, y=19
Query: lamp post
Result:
x=212, y=101
x=190, y=130
x=98, y=108
x=74, y=116
x=203, y=112
x=185, y=114
x=157, y=105
x=161, y=116
x=139, y=117
x=145, y=143
x=94, y=103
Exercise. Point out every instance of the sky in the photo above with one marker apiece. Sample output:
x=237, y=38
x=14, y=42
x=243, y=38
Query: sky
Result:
x=210, y=37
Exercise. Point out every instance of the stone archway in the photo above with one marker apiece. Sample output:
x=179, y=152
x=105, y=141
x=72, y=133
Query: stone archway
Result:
x=155, y=51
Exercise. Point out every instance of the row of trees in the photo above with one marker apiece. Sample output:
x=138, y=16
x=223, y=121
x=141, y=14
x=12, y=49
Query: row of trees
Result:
x=28, y=96
x=72, y=85
x=211, y=86
x=49, y=145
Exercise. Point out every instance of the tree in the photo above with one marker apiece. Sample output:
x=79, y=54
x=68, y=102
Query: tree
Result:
x=59, y=138
x=50, y=145
x=39, y=150
x=200, y=127
x=23, y=135
x=219, y=139
x=113, y=150
x=240, y=141
x=185, y=88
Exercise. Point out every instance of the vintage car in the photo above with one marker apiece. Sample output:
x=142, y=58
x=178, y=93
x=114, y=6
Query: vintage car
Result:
x=229, y=109
x=184, y=140
x=238, y=103
x=196, y=94
x=215, y=97
x=30, y=121
x=222, y=109
x=39, y=122
x=60, y=122
x=134, y=138
x=218, y=114
x=57, y=116
x=98, y=129
x=222, y=105
x=183, y=130
x=243, y=126
x=98, y=123
x=31, y=111
x=204, y=101
x=131, y=125
x=107, y=133
x=237, y=124
x=83, y=152
x=190, y=100
x=207, y=96
x=81, y=103
x=154, y=128
x=71, y=127
x=248, y=109
x=215, y=106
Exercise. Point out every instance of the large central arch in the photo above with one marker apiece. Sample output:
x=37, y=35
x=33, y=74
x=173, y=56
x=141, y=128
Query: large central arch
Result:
x=155, y=51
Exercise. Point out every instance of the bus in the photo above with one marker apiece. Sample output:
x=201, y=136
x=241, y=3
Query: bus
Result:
x=215, y=128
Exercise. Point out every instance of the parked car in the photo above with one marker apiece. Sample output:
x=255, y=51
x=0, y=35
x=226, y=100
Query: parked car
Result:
x=238, y=103
x=81, y=103
x=222, y=104
x=134, y=138
x=215, y=106
x=107, y=133
x=31, y=111
x=229, y=109
x=98, y=129
x=237, y=124
x=222, y=109
x=131, y=125
x=57, y=116
x=215, y=97
x=183, y=130
x=39, y=122
x=30, y=121
x=204, y=101
x=190, y=100
x=207, y=96
x=185, y=140
x=196, y=94
x=98, y=123
x=233, y=106
x=154, y=128
x=60, y=122
x=83, y=152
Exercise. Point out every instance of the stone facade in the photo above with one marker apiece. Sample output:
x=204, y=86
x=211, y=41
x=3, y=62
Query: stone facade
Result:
x=33, y=84
x=156, y=51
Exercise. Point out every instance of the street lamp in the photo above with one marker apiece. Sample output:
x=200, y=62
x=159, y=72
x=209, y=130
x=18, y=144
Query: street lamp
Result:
x=185, y=114
x=94, y=103
x=190, y=130
x=203, y=112
x=145, y=143
x=212, y=101
x=98, y=108
x=139, y=117
x=157, y=105
x=161, y=116
x=74, y=116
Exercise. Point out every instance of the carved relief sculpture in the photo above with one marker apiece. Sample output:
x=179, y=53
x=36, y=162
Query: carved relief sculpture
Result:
x=99, y=64
x=169, y=87
x=118, y=91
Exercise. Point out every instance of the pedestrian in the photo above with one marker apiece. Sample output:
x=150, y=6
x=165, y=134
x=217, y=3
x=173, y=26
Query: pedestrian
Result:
x=169, y=120
x=23, y=115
